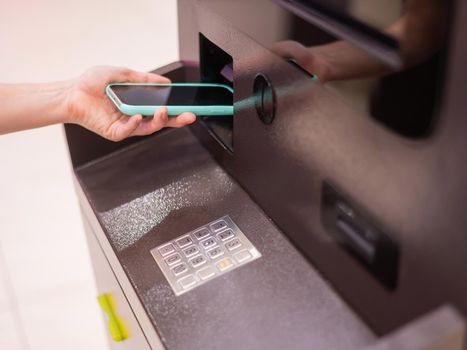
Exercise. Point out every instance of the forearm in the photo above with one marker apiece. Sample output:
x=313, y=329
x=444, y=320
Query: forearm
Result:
x=27, y=106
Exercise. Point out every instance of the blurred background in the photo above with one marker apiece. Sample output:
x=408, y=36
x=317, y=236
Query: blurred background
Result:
x=47, y=290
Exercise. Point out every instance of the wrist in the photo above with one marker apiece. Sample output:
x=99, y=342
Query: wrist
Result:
x=27, y=106
x=55, y=97
x=68, y=113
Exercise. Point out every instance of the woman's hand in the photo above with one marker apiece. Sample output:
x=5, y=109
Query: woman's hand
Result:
x=309, y=58
x=89, y=106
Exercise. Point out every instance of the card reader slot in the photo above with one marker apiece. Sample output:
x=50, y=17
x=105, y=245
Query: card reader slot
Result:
x=360, y=235
x=216, y=66
x=355, y=237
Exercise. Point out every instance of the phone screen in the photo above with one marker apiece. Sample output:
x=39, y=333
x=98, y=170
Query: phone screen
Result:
x=173, y=95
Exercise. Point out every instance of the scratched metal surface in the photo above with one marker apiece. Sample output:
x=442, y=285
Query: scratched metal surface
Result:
x=155, y=190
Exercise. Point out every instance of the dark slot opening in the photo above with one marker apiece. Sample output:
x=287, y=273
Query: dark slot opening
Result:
x=355, y=238
x=361, y=236
x=216, y=66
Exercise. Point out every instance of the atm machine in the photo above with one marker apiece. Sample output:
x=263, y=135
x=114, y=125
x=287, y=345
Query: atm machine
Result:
x=327, y=213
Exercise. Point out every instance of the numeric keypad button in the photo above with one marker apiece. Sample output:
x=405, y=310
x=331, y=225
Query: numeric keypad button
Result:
x=208, y=243
x=179, y=269
x=166, y=249
x=233, y=244
x=184, y=241
x=219, y=225
x=190, y=251
x=215, y=252
x=243, y=256
x=202, y=233
x=187, y=281
x=198, y=261
x=225, y=235
x=173, y=259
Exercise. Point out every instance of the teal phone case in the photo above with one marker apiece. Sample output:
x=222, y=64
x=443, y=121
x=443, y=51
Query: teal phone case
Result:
x=215, y=110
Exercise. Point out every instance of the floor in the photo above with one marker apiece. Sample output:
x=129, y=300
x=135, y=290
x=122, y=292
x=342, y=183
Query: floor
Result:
x=47, y=291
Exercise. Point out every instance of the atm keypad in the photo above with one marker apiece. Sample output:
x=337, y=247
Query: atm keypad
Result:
x=201, y=255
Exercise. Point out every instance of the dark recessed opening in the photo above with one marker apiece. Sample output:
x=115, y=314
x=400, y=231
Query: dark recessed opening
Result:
x=216, y=66
x=360, y=235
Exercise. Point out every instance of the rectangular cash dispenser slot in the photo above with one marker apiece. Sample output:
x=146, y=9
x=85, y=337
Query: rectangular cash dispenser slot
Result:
x=360, y=236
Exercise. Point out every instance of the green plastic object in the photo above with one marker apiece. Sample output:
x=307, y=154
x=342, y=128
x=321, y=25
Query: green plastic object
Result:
x=214, y=110
x=117, y=329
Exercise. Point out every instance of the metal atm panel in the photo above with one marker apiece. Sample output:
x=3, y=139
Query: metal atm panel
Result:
x=411, y=188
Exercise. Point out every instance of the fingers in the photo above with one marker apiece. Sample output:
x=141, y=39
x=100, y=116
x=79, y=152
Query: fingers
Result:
x=138, y=126
x=181, y=120
x=109, y=74
x=141, y=77
x=288, y=49
x=151, y=125
x=126, y=75
x=302, y=55
x=161, y=120
x=125, y=127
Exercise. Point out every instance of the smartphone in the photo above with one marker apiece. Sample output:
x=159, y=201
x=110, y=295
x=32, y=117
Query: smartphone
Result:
x=198, y=98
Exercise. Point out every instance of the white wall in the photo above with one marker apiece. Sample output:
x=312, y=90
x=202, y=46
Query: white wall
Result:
x=47, y=292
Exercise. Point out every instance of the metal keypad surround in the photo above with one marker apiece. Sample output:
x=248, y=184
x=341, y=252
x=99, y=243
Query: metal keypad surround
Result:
x=203, y=254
